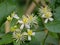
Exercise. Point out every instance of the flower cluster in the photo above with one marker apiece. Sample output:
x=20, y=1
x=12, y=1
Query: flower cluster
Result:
x=24, y=24
x=46, y=14
x=23, y=29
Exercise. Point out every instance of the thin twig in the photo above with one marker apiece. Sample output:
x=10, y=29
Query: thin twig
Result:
x=47, y=32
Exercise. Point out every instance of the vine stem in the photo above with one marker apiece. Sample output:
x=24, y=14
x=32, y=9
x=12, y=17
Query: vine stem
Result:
x=47, y=32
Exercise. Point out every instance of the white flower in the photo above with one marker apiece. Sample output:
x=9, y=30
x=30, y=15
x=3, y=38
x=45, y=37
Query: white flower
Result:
x=18, y=35
x=46, y=13
x=44, y=9
x=24, y=23
x=32, y=19
x=29, y=33
x=14, y=15
x=47, y=16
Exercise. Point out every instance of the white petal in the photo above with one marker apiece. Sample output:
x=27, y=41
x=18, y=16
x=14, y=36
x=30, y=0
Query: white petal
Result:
x=27, y=26
x=22, y=26
x=51, y=19
x=43, y=16
x=19, y=21
x=17, y=40
x=28, y=30
x=15, y=16
x=25, y=33
x=29, y=37
x=14, y=35
x=46, y=20
x=33, y=33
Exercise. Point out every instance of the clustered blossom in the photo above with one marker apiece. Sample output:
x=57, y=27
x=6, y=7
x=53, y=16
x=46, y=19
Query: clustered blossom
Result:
x=46, y=14
x=24, y=22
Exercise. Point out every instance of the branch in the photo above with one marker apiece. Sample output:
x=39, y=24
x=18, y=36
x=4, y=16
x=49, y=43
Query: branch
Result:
x=7, y=26
x=31, y=7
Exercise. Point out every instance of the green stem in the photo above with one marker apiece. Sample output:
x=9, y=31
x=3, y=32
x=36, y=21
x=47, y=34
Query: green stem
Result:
x=43, y=42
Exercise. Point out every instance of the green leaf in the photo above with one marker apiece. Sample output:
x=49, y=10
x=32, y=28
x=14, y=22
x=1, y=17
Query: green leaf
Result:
x=51, y=40
x=5, y=9
x=16, y=43
x=7, y=38
x=58, y=1
x=54, y=35
x=57, y=14
x=53, y=26
x=51, y=3
x=2, y=28
x=1, y=1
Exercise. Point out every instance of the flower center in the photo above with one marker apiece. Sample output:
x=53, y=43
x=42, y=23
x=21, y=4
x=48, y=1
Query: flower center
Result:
x=30, y=32
x=18, y=35
x=30, y=17
x=9, y=18
x=25, y=20
x=13, y=28
x=44, y=10
x=48, y=14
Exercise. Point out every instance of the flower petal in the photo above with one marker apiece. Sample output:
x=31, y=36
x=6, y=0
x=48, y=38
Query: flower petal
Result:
x=22, y=26
x=15, y=16
x=46, y=20
x=51, y=19
x=29, y=37
x=43, y=16
x=19, y=21
x=14, y=35
x=17, y=40
x=33, y=33
x=27, y=26
x=25, y=33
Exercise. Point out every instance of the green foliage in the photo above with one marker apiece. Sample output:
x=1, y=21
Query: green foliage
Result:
x=6, y=38
x=19, y=6
x=5, y=10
